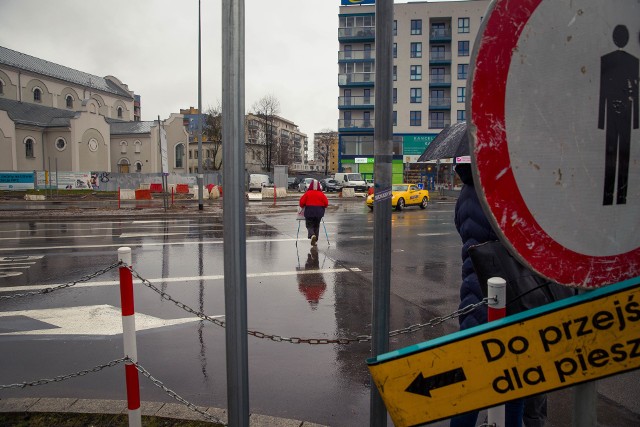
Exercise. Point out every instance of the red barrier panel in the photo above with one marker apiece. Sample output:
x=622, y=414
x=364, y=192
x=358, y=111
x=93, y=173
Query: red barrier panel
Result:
x=143, y=195
x=155, y=188
x=220, y=190
x=182, y=188
x=209, y=187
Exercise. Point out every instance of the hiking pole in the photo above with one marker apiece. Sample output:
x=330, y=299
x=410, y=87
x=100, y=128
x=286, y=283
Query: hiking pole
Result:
x=297, y=233
x=325, y=232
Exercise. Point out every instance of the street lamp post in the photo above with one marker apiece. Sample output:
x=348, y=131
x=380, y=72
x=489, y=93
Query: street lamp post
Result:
x=200, y=174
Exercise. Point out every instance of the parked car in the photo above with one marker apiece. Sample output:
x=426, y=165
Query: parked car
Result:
x=330, y=185
x=257, y=181
x=292, y=183
x=304, y=185
x=351, y=180
x=404, y=195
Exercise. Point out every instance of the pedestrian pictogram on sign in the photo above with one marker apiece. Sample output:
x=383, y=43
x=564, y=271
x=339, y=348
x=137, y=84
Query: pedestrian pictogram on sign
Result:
x=580, y=339
x=553, y=120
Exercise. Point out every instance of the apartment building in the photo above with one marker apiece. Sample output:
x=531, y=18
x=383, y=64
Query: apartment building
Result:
x=431, y=56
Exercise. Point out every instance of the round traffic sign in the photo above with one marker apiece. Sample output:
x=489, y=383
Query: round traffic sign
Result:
x=554, y=128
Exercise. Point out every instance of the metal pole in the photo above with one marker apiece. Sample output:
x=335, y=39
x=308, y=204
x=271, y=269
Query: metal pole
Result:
x=383, y=153
x=585, y=405
x=496, y=309
x=200, y=175
x=234, y=234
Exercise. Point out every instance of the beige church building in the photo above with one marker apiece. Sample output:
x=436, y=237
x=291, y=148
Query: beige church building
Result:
x=52, y=114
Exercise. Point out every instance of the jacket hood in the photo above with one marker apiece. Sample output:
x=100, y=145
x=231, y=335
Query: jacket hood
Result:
x=315, y=185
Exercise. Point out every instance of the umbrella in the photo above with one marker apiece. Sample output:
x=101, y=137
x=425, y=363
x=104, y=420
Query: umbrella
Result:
x=453, y=141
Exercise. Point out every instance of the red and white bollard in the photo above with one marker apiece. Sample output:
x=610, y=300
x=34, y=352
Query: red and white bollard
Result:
x=129, y=337
x=497, y=309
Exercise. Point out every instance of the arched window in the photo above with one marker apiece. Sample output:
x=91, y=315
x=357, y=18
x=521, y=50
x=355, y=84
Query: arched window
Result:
x=69, y=100
x=137, y=147
x=179, y=156
x=37, y=95
x=138, y=167
x=119, y=112
x=1, y=87
x=28, y=148
x=123, y=147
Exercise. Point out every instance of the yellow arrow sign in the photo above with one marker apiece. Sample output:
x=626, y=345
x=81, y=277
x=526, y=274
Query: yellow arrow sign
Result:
x=579, y=339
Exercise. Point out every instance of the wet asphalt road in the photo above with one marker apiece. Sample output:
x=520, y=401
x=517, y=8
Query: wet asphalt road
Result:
x=293, y=291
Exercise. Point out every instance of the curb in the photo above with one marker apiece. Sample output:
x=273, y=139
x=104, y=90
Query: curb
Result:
x=157, y=409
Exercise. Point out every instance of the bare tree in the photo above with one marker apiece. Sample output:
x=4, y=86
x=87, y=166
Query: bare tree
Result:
x=266, y=109
x=323, y=142
x=212, y=132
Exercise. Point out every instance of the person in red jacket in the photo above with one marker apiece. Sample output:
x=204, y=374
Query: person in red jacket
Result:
x=314, y=203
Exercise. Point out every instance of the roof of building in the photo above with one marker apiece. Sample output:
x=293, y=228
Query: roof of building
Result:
x=35, y=114
x=119, y=127
x=40, y=66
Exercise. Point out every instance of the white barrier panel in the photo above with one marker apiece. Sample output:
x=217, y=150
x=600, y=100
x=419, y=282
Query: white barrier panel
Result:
x=34, y=196
x=348, y=192
x=194, y=190
x=145, y=186
x=267, y=192
x=127, y=194
x=254, y=196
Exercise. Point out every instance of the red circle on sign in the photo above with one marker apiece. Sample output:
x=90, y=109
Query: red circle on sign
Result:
x=510, y=215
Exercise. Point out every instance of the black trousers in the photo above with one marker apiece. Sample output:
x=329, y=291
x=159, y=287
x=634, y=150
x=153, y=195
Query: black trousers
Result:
x=313, y=226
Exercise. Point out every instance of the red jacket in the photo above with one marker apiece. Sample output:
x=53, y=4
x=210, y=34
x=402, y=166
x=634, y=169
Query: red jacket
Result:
x=314, y=201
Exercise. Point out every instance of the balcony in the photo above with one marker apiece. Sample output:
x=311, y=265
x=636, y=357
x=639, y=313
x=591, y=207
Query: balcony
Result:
x=356, y=79
x=439, y=104
x=440, y=80
x=439, y=124
x=355, y=125
x=439, y=58
x=355, y=102
x=440, y=35
x=357, y=34
x=356, y=55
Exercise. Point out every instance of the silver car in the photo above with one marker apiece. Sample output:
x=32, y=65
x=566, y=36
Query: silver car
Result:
x=304, y=185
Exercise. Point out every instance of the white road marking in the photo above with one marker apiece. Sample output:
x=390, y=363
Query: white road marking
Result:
x=12, y=267
x=143, y=245
x=179, y=279
x=88, y=320
x=21, y=257
x=432, y=234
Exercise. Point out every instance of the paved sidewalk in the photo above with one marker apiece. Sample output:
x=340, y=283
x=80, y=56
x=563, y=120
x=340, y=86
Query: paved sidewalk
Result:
x=165, y=410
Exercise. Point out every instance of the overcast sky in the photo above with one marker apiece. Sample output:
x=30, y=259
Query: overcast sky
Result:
x=152, y=46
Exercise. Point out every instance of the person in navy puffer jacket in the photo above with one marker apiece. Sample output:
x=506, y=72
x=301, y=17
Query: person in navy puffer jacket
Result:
x=474, y=228
x=314, y=203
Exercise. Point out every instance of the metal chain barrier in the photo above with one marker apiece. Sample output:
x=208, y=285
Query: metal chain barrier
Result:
x=174, y=395
x=64, y=286
x=65, y=377
x=296, y=340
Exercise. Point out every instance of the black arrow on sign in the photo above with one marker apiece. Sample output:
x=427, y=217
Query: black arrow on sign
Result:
x=423, y=386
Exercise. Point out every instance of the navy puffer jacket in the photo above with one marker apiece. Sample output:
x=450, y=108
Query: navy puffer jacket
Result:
x=474, y=228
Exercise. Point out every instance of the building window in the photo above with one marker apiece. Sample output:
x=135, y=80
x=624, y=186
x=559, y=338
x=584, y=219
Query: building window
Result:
x=436, y=120
x=395, y=118
x=463, y=71
x=461, y=116
x=37, y=95
x=119, y=112
x=395, y=73
x=395, y=95
x=61, y=144
x=463, y=25
x=395, y=50
x=416, y=50
x=69, y=101
x=416, y=72
x=461, y=94
x=438, y=53
x=416, y=27
x=28, y=148
x=1, y=87
x=137, y=147
x=415, y=118
x=437, y=75
x=190, y=154
x=179, y=154
x=415, y=95
x=395, y=27
x=123, y=166
x=138, y=167
x=463, y=48
x=123, y=147
x=347, y=51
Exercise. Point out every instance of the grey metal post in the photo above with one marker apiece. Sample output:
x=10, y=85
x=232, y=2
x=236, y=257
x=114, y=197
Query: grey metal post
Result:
x=200, y=175
x=585, y=402
x=383, y=153
x=235, y=250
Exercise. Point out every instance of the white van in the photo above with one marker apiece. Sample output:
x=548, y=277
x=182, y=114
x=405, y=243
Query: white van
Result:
x=351, y=180
x=257, y=181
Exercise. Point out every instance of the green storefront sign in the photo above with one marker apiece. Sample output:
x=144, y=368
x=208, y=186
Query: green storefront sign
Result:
x=414, y=145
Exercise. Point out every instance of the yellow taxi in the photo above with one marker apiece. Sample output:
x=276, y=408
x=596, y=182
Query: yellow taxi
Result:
x=404, y=195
